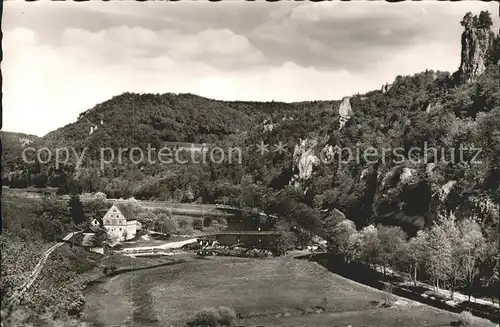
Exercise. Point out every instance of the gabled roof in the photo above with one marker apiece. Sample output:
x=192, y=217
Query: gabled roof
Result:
x=126, y=211
x=99, y=217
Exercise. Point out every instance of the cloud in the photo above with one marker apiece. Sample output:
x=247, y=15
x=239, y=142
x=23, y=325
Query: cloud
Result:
x=350, y=35
x=57, y=65
x=218, y=47
x=47, y=87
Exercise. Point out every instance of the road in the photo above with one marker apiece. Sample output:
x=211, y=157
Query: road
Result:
x=38, y=268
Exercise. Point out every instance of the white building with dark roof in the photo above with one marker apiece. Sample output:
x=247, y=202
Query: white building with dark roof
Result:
x=120, y=223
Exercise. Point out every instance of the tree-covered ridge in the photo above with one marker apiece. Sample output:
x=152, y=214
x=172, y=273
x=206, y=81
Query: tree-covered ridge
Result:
x=447, y=211
x=139, y=119
x=427, y=109
x=12, y=145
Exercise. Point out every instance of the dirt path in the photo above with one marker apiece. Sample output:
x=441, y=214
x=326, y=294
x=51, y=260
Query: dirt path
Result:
x=38, y=268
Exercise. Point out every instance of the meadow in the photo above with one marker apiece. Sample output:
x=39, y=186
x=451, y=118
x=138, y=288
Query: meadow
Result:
x=273, y=291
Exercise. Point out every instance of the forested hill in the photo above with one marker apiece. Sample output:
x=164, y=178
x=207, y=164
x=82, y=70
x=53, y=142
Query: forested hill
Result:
x=13, y=145
x=133, y=119
x=11, y=140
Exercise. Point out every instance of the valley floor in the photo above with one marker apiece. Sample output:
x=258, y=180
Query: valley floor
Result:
x=270, y=292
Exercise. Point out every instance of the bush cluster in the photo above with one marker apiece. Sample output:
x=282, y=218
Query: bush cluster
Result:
x=211, y=317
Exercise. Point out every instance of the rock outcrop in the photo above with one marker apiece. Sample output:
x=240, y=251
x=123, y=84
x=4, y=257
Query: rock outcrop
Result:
x=364, y=173
x=25, y=141
x=386, y=87
x=327, y=154
x=268, y=125
x=445, y=190
x=406, y=174
x=429, y=107
x=345, y=111
x=304, y=158
x=477, y=42
x=92, y=129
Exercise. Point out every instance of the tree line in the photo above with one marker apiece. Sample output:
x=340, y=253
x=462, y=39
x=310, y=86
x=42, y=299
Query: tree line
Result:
x=451, y=255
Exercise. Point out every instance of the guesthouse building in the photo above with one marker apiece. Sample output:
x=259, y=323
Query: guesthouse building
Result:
x=120, y=223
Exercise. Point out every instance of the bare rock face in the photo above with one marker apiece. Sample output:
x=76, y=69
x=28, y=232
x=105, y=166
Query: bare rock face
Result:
x=386, y=87
x=25, y=141
x=429, y=107
x=327, y=154
x=92, y=129
x=345, y=111
x=268, y=125
x=477, y=41
x=364, y=173
x=445, y=190
x=304, y=158
x=406, y=174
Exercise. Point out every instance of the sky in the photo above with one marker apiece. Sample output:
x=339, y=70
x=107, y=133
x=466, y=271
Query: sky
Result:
x=62, y=58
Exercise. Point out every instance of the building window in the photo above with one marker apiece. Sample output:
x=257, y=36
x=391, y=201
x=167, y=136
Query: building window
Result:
x=120, y=229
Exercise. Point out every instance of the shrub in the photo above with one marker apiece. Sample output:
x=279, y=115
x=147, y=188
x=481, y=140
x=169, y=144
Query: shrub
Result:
x=207, y=221
x=206, y=317
x=324, y=303
x=466, y=318
x=198, y=224
x=185, y=225
x=166, y=224
x=227, y=316
x=221, y=221
x=212, y=317
x=100, y=196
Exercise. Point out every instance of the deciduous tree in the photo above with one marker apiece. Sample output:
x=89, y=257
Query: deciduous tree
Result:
x=472, y=250
x=391, y=239
x=417, y=250
x=439, y=261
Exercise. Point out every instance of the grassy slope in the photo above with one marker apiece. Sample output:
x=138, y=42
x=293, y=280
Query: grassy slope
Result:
x=260, y=290
x=395, y=316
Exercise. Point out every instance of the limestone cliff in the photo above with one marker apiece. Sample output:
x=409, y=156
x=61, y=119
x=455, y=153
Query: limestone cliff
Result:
x=386, y=87
x=268, y=125
x=345, y=111
x=304, y=158
x=477, y=43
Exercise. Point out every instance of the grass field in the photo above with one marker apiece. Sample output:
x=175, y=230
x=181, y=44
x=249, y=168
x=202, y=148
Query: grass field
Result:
x=264, y=292
x=395, y=316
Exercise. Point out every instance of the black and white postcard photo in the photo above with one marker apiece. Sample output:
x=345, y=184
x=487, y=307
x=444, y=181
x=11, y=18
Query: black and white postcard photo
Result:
x=250, y=163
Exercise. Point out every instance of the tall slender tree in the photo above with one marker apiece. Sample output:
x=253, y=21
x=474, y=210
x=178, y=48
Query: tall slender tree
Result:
x=472, y=250
x=439, y=263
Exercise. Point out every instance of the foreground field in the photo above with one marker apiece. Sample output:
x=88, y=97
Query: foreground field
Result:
x=270, y=292
x=397, y=316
